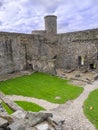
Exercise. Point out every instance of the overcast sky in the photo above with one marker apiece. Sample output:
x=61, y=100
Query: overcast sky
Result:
x=27, y=15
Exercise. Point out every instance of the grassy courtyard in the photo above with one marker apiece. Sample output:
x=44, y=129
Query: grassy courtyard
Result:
x=41, y=86
x=91, y=107
x=28, y=106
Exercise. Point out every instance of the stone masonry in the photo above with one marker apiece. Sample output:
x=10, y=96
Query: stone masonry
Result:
x=46, y=51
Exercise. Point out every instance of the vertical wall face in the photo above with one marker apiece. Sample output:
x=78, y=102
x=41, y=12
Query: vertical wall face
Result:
x=12, y=53
x=51, y=24
x=45, y=54
x=78, y=50
x=20, y=52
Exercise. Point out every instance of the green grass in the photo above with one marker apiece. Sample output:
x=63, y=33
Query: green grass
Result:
x=91, y=107
x=6, y=107
x=42, y=86
x=28, y=106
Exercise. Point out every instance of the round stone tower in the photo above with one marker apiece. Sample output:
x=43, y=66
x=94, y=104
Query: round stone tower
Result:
x=51, y=24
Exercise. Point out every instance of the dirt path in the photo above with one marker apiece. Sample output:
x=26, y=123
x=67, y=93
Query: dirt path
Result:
x=71, y=112
x=47, y=105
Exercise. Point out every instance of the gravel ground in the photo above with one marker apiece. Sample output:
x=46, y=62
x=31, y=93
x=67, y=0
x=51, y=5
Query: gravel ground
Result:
x=47, y=105
x=71, y=112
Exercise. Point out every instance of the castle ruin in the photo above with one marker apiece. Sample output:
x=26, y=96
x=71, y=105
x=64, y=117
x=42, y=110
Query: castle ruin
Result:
x=47, y=51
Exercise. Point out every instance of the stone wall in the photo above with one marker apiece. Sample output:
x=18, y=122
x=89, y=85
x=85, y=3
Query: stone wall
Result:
x=25, y=51
x=75, y=45
x=45, y=54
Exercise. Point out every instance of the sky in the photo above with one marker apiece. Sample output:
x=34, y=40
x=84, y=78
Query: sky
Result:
x=23, y=16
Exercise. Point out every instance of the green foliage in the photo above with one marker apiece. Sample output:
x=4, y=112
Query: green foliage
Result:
x=6, y=107
x=28, y=106
x=91, y=107
x=42, y=86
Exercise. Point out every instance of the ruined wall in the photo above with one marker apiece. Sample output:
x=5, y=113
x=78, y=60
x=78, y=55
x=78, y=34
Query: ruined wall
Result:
x=24, y=51
x=45, y=54
x=12, y=54
x=73, y=45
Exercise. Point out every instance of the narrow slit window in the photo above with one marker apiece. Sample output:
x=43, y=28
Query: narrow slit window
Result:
x=80, y=60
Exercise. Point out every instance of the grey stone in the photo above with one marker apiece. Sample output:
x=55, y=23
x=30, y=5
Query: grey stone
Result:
x=22, y=128
x=3, y=123
x=11, y=104
x=19, y=114
x=96, y=77
x=59, y=125
x=17, y=125
x=7, y=117
x=31, y=128
x=1, y=129
x=77, y=75
x=51, y=24
x=42, y=126
x=36, y=118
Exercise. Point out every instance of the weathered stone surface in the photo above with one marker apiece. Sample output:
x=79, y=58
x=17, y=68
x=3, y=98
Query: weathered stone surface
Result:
x=26, y=51
x=17, y=49
x=1, y=129
x=3, y=123
x=59, y=125
x=22, y=128
x=96, y=77
x=18, y=125
x=11, y=104
x=77, y=75
x=36, y=118
x=7, y=117
x=2, y=108
x=19, y=114
x=32, y=121
x=31, y=128
x=42, y=127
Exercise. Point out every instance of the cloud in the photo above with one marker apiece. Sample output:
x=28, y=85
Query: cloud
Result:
x=1, y=3
x=27, y=15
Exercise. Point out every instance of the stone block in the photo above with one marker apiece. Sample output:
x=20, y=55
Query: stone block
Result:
x=36, y=118
x=3, y=123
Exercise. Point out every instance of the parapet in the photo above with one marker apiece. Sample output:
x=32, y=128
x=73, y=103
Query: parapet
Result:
x=39, y=32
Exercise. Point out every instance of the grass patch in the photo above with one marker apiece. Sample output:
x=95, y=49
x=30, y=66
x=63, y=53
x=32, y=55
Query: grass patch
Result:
x=42, y=86
x=91, y=107
x=28, y=106
x=6, y=107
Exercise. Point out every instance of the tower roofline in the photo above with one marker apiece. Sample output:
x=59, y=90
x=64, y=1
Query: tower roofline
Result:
x=50, y=16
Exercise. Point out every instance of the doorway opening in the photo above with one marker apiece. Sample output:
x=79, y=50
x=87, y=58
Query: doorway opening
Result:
x=80, y=60
x=92, y=66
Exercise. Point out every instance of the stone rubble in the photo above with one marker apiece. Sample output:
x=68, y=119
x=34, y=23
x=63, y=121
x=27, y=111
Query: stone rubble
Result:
x=31, y=121
x=1, y=108
x=10, y=103
x=22, y=120
x=64, y=117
